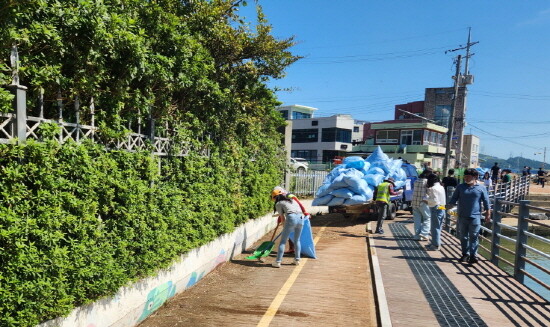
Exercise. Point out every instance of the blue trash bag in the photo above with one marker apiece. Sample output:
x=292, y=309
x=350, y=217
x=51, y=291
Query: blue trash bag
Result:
x=365, y=168
x=375, y=171
x=322, y=190
x=307, y=247
x=335, y=172
x=377, y=155
x=399, y=184
x=395, y=165
x=321, y=201
x=354, y=162
x=336, y=202
x=357, y=185
x=374, y=180
x=356, y=199
x=337, y=183
x=342, y=193
x=382, y=165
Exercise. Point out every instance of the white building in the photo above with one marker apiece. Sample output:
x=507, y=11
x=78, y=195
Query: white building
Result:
x=320, y=139
x=470, y=151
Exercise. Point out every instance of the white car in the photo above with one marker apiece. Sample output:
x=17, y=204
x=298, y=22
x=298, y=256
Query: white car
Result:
x=299, y=164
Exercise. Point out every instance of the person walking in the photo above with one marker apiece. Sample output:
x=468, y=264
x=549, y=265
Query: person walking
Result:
x=383, y=193
x=291, y=216
x=470, y=197
x=421, y=210
x=487, y=181
x=542, y=176
x=449, y=180
x=506, y=177
x=436, y=202
x=495, y=172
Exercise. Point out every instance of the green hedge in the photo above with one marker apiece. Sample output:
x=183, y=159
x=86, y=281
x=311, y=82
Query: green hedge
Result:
x=77, y=222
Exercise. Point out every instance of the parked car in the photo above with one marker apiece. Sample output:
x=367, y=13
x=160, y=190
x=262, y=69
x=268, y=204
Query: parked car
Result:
x=299, y=164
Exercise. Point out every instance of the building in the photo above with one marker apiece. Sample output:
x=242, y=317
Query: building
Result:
x=470, y=151
x=418, y=141
x=437, y=107
x=296, y=111
x=321, y=139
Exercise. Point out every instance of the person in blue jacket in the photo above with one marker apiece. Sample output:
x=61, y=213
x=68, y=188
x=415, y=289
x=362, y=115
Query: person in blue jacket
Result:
x=470, y=196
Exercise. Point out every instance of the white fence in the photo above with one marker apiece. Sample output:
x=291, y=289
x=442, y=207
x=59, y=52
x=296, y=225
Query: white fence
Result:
x=306, y=183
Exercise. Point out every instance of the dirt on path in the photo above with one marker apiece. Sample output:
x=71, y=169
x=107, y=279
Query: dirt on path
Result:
x=335, y=289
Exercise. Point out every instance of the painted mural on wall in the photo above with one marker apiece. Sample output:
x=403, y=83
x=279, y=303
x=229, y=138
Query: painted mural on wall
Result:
x=156, y=298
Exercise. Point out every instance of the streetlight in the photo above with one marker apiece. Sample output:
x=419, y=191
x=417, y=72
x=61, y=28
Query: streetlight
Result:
x=544, y=157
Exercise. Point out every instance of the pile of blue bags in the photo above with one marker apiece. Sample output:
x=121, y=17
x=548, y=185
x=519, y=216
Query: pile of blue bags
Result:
x=354, y=181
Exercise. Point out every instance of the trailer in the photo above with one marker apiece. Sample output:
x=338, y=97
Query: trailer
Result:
x=402, y=201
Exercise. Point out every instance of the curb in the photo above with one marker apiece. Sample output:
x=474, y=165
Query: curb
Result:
x=382, y=309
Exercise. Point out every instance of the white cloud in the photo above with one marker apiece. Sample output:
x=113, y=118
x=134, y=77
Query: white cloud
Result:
x=541, y=17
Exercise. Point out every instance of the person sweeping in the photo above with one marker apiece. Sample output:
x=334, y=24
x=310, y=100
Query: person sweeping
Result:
x=280, y=190
x=290, y=213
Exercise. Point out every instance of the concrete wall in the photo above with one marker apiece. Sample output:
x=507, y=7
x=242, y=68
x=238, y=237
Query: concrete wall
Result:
x=135, y=302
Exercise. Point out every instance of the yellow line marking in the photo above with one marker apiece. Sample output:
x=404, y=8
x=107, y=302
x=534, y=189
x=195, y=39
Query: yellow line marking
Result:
x=278, y=300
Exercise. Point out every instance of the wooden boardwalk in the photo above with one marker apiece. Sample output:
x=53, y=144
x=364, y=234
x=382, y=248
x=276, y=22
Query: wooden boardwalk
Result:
x=431, y=288
x=421, y=288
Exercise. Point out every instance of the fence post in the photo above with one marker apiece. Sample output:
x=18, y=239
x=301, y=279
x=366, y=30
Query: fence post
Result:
x=151, y=126
x=521, y=240
x=77, y=117
x=20, y=99
x=495, y=241
x=20, y=108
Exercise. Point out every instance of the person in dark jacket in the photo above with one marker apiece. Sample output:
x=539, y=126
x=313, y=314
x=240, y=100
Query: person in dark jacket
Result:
x=472, y=198
x=449, y=180
x=542, y=176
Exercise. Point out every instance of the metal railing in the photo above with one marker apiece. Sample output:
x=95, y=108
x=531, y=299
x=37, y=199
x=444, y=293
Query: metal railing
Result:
x=522, y=237
x=306, y=183
x=513, y=192
x=520, y=241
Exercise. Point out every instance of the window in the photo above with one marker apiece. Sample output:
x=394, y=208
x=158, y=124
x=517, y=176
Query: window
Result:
x=417, y=137
x=314, y=122
x=356, y=129
x=285, y=114
x=300, y=115
x=441, y=116
x=334, y=134
x=411, y=137
x=309, y=155
x=305, y=135
x=387, y=137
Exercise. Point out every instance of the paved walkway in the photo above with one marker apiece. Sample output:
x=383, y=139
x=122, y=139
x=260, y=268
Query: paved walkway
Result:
x=421, y=288
x=333, y=290
x=430, y=288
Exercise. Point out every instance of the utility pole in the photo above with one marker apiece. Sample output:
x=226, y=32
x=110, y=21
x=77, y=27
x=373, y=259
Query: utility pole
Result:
x=467, y=63
x=450, y=130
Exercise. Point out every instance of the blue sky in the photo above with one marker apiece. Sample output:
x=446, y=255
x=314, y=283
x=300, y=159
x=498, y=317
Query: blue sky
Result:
x=364, y=57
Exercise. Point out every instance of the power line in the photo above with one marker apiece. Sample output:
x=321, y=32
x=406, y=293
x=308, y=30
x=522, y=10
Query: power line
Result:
x=502, y=138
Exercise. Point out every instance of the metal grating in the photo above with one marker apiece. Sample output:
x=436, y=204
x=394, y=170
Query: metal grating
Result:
x=446, y=301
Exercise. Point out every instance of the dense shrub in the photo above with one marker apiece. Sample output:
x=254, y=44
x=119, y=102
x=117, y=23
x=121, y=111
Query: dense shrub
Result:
x=77, y=221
